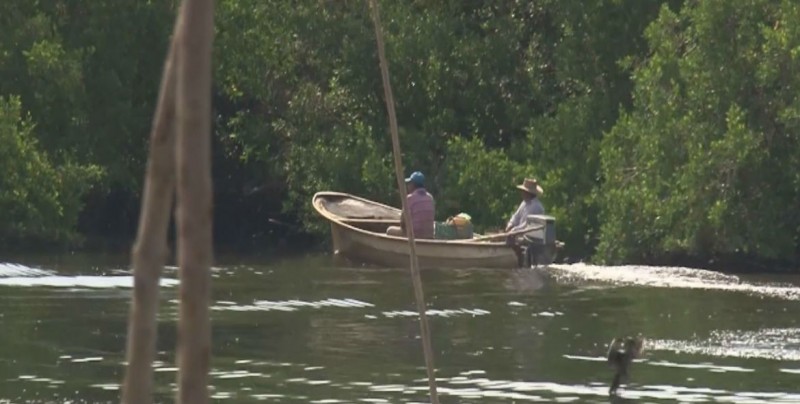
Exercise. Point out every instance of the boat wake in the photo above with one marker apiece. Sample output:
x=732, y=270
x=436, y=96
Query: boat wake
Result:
x=21, y=275
x=9, y=270
x=781, y=344
x=670, y=277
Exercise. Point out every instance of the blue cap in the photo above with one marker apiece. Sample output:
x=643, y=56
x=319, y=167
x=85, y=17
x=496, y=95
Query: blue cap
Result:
x=417, y=178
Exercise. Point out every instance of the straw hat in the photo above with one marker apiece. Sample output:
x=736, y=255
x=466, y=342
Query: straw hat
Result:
x=531, y=186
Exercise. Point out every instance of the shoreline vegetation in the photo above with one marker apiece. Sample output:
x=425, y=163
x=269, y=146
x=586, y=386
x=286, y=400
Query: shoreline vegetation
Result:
x=663, y=132
x=303, y=245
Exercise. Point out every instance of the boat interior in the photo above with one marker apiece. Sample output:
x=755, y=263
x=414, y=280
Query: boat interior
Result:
x=375, y=217
x=364, y=215
x=361, y=214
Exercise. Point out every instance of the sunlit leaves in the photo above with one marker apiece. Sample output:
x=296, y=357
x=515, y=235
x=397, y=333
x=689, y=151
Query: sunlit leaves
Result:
x=700, y=164
x=38, y=200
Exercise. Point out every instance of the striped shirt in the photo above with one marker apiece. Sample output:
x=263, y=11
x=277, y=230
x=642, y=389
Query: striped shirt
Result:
x=422, y=206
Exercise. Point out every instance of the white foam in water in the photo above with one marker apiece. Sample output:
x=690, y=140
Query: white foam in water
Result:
x=771, y=343
x=291, y=305
x=20, y=275
x=107, y=386
x=78, y=281
x=534, y=391
x=436, y=313
x=238, y=374
x=8, y=270
x=672, y=277
x=586, y=358
x=707, y=366
x=89, y=359
x=267, y=396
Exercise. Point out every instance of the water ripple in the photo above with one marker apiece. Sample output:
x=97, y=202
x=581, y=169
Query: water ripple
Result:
x=671, y=277
x=436, y=313
x=294, y=305
x=289, y=305
x=543, y=391
x=772, y=343
x=99, y=282
x=8, y=270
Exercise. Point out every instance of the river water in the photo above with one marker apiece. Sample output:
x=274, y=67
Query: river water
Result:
x=306, y=330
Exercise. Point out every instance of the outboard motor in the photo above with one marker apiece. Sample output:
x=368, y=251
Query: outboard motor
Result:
x=539, y=246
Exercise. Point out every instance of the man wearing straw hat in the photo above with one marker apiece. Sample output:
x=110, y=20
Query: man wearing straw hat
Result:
x=530, y=191
x=530, y=204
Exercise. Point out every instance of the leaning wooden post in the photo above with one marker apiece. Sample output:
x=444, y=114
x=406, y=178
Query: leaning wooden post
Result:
x=150, y=249
x=194, y=199
x=398, y=168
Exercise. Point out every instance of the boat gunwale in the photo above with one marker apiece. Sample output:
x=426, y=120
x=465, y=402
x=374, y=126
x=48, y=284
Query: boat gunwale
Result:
x=338, y=220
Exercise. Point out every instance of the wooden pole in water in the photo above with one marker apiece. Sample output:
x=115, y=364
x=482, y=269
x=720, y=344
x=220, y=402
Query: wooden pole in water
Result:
x=150, y=249
x=398, y=168
x=194, y=199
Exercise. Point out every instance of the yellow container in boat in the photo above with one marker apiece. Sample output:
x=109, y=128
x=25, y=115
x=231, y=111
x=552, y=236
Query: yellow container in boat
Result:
x=455, y=228
x=463, y=225
x=459, y=221
x=462, y=219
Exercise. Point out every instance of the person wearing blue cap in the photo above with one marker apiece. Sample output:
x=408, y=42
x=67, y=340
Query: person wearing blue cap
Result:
x=421, y=206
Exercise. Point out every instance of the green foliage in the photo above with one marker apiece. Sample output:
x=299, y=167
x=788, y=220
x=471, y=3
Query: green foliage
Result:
x=38, y=200
x=532, y=85
x=89, y=72
x=702, y=163
x=479, y=182
x=655, y=127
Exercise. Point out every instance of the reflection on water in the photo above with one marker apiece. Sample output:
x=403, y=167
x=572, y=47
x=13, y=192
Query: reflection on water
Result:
x=307, y=331
x=20, y=275
x=778, y=344
x=669, y=277
x=290, y=305
x=8, y=270
x=78, y=281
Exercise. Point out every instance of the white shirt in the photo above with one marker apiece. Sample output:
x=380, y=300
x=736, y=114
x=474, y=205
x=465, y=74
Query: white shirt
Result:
x=520, y=218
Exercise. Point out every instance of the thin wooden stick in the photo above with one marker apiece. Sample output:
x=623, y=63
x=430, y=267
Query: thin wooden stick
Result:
x=506, y=234
x=194, y=197
x=150, y=249
x=398, y=168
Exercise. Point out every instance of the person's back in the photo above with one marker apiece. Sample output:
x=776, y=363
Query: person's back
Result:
x=528, y=207
x=422, y=209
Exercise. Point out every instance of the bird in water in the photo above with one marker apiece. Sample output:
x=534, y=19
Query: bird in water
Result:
x=621, y=354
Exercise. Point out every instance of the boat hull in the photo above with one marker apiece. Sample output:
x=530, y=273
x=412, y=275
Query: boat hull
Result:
x=364, y=240
x=394, y=252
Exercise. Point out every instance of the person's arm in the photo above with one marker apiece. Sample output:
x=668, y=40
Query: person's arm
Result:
x=514, y=219
x=403, y=213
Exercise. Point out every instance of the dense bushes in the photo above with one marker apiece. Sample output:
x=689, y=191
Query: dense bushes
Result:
x=706, y=161
x=38, y=200
x=656, y=127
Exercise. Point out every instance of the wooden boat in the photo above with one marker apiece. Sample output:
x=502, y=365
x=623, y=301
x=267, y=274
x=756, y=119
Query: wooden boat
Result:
x=358, y=229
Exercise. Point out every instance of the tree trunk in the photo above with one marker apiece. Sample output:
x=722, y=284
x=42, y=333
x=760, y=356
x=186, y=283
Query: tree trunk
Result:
x=194, y=211
x=150, y=249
